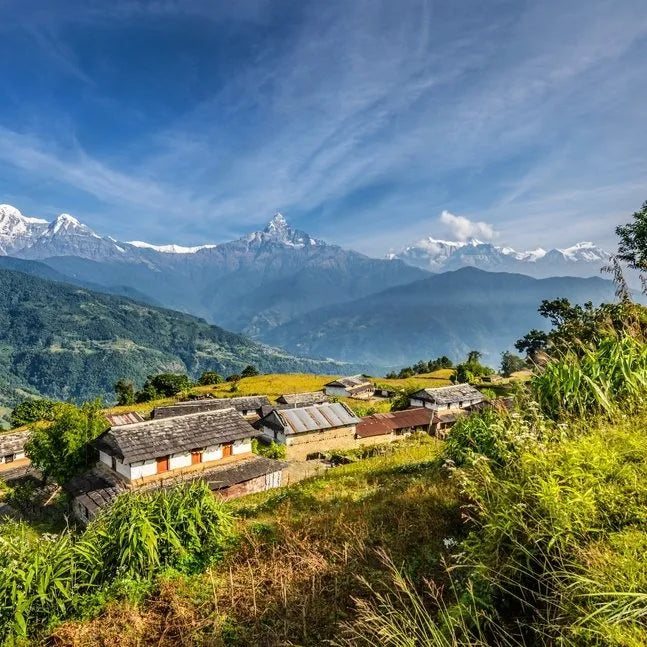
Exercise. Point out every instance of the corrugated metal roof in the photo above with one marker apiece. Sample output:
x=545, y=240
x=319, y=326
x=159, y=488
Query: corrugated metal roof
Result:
x=385, y=423
x=126, y=418
x=324, y=416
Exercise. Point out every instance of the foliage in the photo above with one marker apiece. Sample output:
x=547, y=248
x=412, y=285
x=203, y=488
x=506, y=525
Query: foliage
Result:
x=511, y=363
x=269, y=450
x=249, y=371
x=632, y=248
x=49, y=577
x=30, y=411
x=421, y=368
x=166, y=385
x=234, y=377
x=471, y=369
x=606, y=379
x=61, y=449
x=125, y=392
x=69, y=343
x=209, y=377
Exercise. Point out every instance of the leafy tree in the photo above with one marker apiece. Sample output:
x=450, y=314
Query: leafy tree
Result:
x=61, y=450
x=249, y=371
x=34, y=410
x=474, y=356
x=511, y=363
x=147, y=393
x=234, y=377
x=166, y=385
x=125, y=391
x=209, y=377
x=532, y=343
x=632, y=248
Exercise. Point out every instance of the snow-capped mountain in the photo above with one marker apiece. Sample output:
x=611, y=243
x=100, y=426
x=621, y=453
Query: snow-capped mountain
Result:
x=583, y=259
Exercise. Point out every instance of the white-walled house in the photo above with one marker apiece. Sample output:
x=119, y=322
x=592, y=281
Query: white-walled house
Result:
x=12, y=451
x=355, y=386
x=214, y=446
x=458, y=396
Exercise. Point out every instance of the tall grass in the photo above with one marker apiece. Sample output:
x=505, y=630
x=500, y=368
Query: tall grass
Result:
x=47, y=578
x=600, y=380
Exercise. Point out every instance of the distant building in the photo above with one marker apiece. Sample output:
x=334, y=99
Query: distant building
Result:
x=387, y=427
x=213, y=446
x=458, y=396
x=356, y=386
x=12, y=451
x=444, y=420
x=126, y=418
x=250, y=406
x=310, y=430
x=305, y=399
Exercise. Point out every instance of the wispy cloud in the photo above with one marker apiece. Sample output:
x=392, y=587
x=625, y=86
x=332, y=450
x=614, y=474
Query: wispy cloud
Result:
x=363, y=120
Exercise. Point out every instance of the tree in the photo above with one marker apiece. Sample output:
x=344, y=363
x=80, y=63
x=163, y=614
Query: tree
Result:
x=632, y=248
x=34, y=410
x=249, y=371
x=61, y=450
x=511, y=363
x=234, y=377
x=532, y=343
x=125, y=391
x=209, y=377
x=166, y=385
x=474, y=356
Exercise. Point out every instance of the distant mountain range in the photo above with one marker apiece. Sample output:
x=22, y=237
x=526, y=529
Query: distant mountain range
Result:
x=446, y=314
x=583, y=259
x=68, y=342
x=284, y=287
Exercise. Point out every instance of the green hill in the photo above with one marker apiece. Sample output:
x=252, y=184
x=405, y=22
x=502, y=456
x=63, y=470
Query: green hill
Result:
x=69, y=342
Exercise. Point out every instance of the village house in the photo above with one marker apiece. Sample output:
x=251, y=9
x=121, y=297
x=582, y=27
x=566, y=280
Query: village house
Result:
x=387, y=427
x=214, y=446
x=251, y=407
x=12, y=451
x=444, y=420
x=355, y=386
x=307, y=431
x=458, y=396
x=305, y=399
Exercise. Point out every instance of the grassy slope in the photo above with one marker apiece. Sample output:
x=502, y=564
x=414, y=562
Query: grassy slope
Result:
x=301, y=551
x=274, y=385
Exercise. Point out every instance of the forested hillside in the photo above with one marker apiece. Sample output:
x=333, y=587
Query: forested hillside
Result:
x=72, y=343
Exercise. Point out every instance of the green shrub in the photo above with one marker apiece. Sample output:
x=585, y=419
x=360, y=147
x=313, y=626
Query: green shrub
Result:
x=271, y=450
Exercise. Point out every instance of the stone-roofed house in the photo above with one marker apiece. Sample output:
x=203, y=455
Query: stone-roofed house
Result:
x=458, y=396
x=355, y=386
x=12, y=451
x=214, y=446
x=311, y=430
x=306, y=399
x=250, y=406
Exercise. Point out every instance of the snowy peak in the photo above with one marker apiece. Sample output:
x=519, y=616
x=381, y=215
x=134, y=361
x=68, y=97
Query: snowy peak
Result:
x=16, y=230
x=169, y=249
x=278, y=230
x=68, y=226
x=582, y=259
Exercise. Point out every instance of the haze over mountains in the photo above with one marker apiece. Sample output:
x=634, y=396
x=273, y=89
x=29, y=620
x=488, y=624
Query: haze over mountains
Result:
x=282, y=286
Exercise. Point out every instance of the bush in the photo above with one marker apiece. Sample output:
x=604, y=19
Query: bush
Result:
x=49, y=577
x=271, y=450
x=209, y=377
x=249, y=371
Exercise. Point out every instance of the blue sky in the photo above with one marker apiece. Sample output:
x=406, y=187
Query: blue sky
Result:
x=361, y=120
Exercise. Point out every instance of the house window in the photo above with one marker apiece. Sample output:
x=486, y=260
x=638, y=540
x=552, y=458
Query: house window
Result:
x=9, y=458
x=114, y=463
x=196, y=457
x=226, y=450
x=162, y=464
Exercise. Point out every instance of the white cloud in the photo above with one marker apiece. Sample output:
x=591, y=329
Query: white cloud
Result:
x=462, y=228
